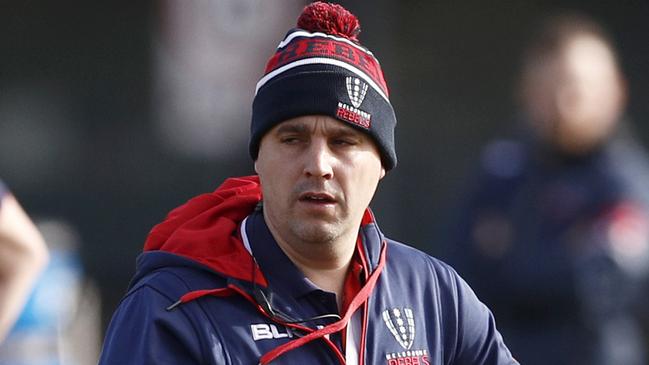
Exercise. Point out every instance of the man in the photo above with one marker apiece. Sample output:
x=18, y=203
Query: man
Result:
x=302, y=275
x=555, y=233
x=23, y=255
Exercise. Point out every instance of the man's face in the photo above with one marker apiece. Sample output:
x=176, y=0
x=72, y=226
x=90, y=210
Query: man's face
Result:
x=318, y=176
x=575, y=97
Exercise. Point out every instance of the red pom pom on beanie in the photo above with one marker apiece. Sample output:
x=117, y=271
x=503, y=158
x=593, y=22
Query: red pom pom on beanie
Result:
x=331, y=19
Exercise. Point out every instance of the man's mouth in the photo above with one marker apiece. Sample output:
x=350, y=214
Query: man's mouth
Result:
x=319, y=198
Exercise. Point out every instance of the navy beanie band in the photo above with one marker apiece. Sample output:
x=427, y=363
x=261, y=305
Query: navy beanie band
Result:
x=323, y=71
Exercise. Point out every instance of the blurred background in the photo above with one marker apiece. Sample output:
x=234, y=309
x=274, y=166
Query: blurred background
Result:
x=111, y=114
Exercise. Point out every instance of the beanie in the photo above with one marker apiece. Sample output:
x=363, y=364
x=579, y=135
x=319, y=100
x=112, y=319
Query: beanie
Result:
x=320, y=68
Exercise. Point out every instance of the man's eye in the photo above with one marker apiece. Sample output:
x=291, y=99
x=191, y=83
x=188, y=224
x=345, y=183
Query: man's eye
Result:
x=289, y=140
x=343, y=142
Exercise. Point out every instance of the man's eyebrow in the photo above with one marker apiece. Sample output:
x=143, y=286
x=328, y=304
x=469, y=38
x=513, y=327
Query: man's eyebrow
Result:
x=343, y=131
x=291, y=128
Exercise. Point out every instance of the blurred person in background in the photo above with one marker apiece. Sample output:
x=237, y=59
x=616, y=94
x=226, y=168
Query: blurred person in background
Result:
x=23, y=256
x=304, y=275
x=60, y=321
x=49, y=314
x=554, y=233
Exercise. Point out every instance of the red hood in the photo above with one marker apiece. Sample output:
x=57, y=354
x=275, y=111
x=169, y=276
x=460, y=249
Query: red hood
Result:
x=205, y=229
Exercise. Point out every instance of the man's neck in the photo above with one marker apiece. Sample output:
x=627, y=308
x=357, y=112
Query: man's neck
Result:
x=325, y=264
x=331, y=280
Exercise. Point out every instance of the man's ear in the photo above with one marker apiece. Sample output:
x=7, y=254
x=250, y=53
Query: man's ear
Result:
x=256, y=170
x=382, y=173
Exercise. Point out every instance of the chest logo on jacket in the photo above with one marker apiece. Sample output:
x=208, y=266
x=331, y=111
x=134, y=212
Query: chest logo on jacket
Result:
x=401, y=323
x=265, y=331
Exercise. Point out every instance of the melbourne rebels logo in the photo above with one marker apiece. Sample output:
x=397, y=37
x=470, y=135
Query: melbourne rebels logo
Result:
x=356, y=90
x=401, y=324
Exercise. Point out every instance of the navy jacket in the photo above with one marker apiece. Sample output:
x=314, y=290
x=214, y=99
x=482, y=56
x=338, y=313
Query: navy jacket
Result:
x=249, y=304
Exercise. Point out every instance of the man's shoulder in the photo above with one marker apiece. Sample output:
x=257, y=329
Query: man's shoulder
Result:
x=418, y=262
x=403, y=251
x=171, y=276
x=429, y=281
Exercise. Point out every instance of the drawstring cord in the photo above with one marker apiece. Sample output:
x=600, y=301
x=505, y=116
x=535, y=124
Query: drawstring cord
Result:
x=220, y=292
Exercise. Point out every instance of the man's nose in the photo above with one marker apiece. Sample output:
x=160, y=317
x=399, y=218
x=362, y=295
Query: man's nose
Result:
x=318, y=160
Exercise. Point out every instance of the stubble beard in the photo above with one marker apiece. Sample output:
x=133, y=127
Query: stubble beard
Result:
x=319, y=234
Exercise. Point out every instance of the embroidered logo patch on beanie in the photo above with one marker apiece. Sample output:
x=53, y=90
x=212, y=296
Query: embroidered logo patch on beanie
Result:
x=356, y=90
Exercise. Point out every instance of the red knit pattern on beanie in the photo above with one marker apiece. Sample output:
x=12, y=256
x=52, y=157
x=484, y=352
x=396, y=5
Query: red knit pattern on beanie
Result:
x=330, y=19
